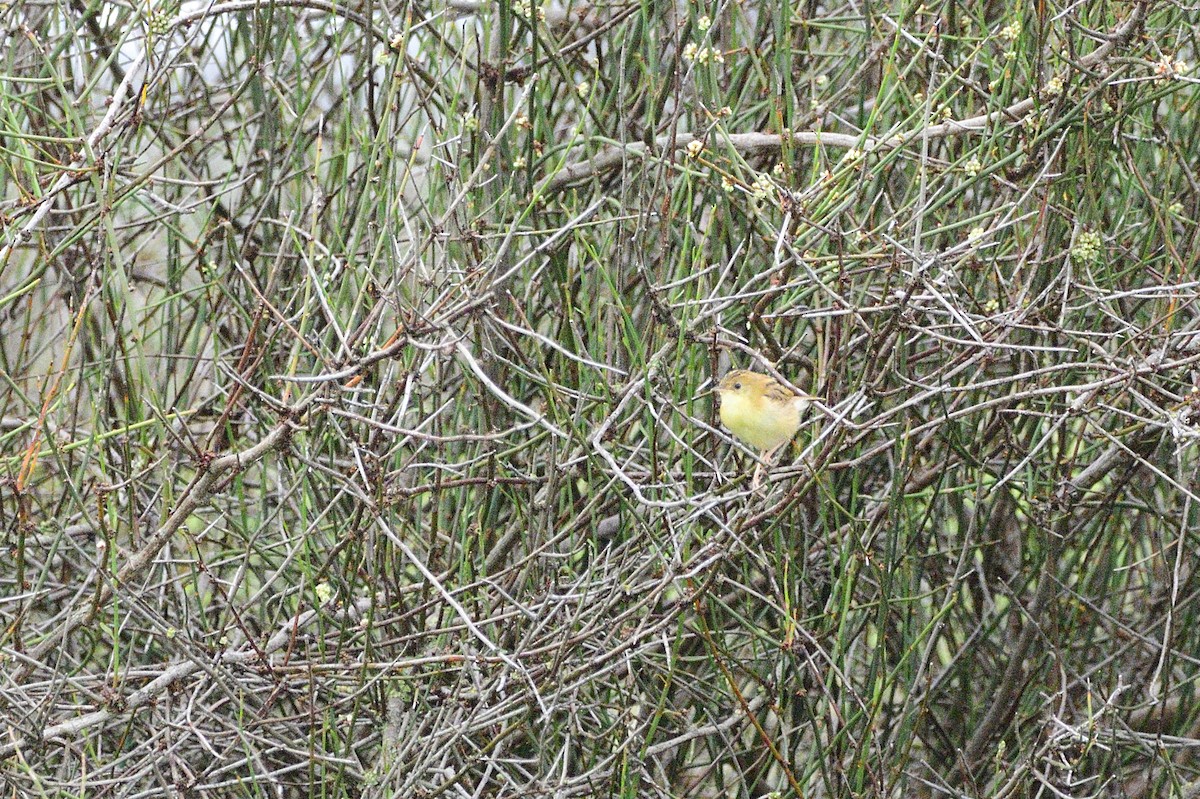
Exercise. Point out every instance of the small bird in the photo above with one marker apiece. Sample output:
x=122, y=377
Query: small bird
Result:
x=761, y=411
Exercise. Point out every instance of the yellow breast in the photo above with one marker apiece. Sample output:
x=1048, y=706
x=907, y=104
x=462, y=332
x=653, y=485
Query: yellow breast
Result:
x=759, y=421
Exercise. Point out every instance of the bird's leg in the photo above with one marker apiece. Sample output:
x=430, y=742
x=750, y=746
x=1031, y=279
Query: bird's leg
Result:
x=761, y=468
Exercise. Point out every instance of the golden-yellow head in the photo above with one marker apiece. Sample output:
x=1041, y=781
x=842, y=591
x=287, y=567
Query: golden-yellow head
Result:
x=759, y=409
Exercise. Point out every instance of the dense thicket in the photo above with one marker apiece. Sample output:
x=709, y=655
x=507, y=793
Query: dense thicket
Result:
x=352, y=362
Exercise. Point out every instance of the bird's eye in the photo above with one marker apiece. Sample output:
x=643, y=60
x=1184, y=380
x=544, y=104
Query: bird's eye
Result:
x=737, y=386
